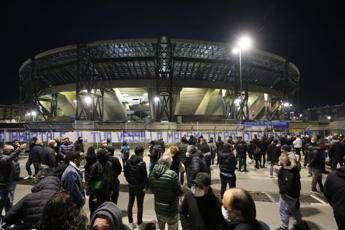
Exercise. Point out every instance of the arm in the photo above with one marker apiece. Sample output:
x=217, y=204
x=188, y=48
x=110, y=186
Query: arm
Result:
x=144, y=173
x=118, y=167
x=327, y=190
x=282, y=185
x=184, y=215
x=52, y=159
x=76, y=191
x=11, y=156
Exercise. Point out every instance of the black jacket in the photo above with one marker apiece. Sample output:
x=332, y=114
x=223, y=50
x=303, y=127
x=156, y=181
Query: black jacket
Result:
x=117, y=168
x=289, y=181
x=258, y=225
x=155, y=153
x=7, y=170
x=34, y=154
x=336, y=151
x=135, y=172
x=227, y=163
x=316, y=160
x=241, y=148
x=47, y=156
x=101, y=178
x=197, y=164
x=334, y=191
x=201, y=213
x=29, y=209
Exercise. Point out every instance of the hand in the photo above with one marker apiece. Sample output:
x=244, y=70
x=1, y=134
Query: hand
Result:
x=23, y=146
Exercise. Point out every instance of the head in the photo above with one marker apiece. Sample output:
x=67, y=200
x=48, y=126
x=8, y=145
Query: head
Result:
x=173, y=150
x=313, y=139
x=104, y=144
x=286, y=148
x=139, y=151
x=106, y=217
x=191, y=150
x=65, y=140
x=166, y=159
x=39, y=142
x=102, y=155
x=52, y=143
x=80, y=140
x=238, y=206
x=284, y=160
x=239, y=138
x=124, y=143
x=227, y=148
x=108, y=141
x=60, y=212
x=151, y=144
x=201, y=184
x=15, y=143
x=184, y=140
x=75, y=157
x=8, y=149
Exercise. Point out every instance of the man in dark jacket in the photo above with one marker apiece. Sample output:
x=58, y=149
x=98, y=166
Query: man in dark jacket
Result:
x=219, y=145
x=200, y=208
x=47, y=160
x=316, y=164
x=7, y=176
x=136, y=176
x=227, y=165
x=78, y=145
x=335, y=193
x=107, y=216
x=289, y=189
x=117, y=169
x=166, y=189
x=206, y=151
x=182, y=157
x=241, y=149
x=101, y=179
x=34, y=158
x=155, y=152
x=28, y=210
x=196, y=164
x=335, y=153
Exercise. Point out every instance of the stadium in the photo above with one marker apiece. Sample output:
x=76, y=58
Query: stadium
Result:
x=145, y=80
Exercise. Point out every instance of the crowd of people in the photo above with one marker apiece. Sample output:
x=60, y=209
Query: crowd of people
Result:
x=66, y=175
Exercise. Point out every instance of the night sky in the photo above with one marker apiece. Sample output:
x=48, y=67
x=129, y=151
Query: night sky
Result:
x=308, y=33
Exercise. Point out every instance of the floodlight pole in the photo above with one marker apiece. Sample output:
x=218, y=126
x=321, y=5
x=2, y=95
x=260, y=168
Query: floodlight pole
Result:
x=241, y=88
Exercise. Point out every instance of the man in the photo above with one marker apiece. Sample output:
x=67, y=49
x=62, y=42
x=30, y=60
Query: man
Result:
x=67, y=147
x=335, y=152
x=155, y=152
x=196, y=163
x=241, y=149
x=47, y=159
x=316, y=164
x=297, y=144
x=200, y=208
x=335, y=193
x=219, y=145
x=7, y=176
x=213, y=149
x=166, y=189
x=107, y=216
x=71, y=179
x=263, y=144
x=117, y=169
x=239, y=211
x=289, y=188
x=78, y=145
x=124, y=153
x=34, y=158
x=136, y=176
x=27, y=212
x=100, y=180
x=182, y=158
x=206, y=151
x=227, y=165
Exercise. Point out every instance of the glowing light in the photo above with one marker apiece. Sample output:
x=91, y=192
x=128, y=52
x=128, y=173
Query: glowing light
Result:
x=245, y=43
x=88, y=100
x=235, y=51
x=266, y=96
x=156, y=99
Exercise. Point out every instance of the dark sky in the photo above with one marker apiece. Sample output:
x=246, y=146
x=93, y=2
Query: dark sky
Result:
x=308, y=33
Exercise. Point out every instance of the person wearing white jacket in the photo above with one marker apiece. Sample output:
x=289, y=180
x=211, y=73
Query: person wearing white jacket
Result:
x=297, y=144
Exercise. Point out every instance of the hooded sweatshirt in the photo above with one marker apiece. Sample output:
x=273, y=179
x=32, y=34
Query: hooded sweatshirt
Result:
x=112, y=212
x=289, y=181
x=334, y=191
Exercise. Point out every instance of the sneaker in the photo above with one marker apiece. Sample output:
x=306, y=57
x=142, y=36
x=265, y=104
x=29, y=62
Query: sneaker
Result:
x=27, y=177
x=133, y=226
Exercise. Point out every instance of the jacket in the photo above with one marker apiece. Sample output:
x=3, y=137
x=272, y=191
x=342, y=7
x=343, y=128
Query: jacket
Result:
x=315, y=155
x=289, y=181
x=116, y=166
x=227, y=164
x=241, y=148
x=334, y=190
x=155, y=153
x=124, y=152
x=166, y=188
x=29, y=209
x=135, y=172
x=113, y=214
x=200, y=213
x=258, y=225
x=197, y=164
x=101, y=178
x=71, y=181
x=7, y=169
x=65, y=149
x=47, y=156
x=34, y=154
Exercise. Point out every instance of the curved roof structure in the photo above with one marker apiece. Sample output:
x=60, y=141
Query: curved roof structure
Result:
x=135, y=59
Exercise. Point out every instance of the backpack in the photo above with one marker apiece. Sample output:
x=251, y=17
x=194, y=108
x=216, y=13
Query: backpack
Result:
x=102, y=177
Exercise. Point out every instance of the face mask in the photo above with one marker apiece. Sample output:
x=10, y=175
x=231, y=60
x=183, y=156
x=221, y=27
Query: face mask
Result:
x=197, y=192
x=225, y=214
x=55, y=145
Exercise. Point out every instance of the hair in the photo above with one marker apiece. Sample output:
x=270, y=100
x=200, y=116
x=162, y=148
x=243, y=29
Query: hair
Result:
x=166, y=159
x=184, y=140
x=173, y=150
x=102, y=155
x=191, y=149
x=139, y=150
x=242, y=205
x=227, y=147
x=61, y=213
x=284, y=159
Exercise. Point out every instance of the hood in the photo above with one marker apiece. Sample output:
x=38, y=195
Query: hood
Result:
x=341, y=171
x=134, y=160
x=159, y=170
x=111, y=211
x=47, y=183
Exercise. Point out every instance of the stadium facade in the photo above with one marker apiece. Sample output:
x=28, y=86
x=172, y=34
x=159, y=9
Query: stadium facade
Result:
x=144, y=80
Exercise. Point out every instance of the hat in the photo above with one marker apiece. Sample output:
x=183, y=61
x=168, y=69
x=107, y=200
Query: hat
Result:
x=286, y=148
x=202, y=179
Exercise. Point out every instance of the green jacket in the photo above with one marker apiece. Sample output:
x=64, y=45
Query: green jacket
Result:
x=166, y=188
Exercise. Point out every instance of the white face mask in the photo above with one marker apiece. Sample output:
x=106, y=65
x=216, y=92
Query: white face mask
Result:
x=197, y=192
x=225, y=214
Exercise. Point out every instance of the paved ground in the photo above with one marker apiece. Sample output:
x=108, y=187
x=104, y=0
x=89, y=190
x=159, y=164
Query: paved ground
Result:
x=265, y=190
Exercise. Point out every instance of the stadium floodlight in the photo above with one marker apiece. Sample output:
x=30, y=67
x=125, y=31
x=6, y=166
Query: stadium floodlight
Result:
x=300, y=115
x=33, y=113
x=245, y=42
x=287, y=104
x=156, y=99
x=329, y=117
x=266, y=96
x=88, y=100
x=28, y=114
x=235, y=51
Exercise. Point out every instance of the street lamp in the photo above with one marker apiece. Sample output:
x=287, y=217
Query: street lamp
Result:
x=88, y=100
x=266, y=104
x=156, y=99
x=244, y=43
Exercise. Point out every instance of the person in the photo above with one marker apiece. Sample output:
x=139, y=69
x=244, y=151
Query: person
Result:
x=34, y=158
x=161, y=143
x=136, y=176
x=107, y=216
x=213, y=149
x=78, y=145
x=7, y=176
x=334, y=191
x=15, y=161
x=155, y=152
x=297, y=144
x=117, y=169
x=61, y=213
x=276, y=151
x=316, y=164
x=219, y=145
x=47, y=159
x=182, y=158
x=239, y=211
x=263, y=144
x=206, y=151
x=192, y=140
x=100, y=180
x=241, y=149
x=90, y=158
x=200, y=208
x=227, y=165
x=124, y=153
x=289, y=189
x=165, y=186
x=335, y=153
x=27, y=212
x=67, y=147
x=71, y=180
x=175, y=165
x=196, y=163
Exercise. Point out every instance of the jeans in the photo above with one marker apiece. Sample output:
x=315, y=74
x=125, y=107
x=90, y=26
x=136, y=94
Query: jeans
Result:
x=6, y=197
x=224, y=181
x=242, y=162
x=136, y=192
x=116, y=191
x=317, y=179
x=172, y=222
x=36, y=166
x=287, y=207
